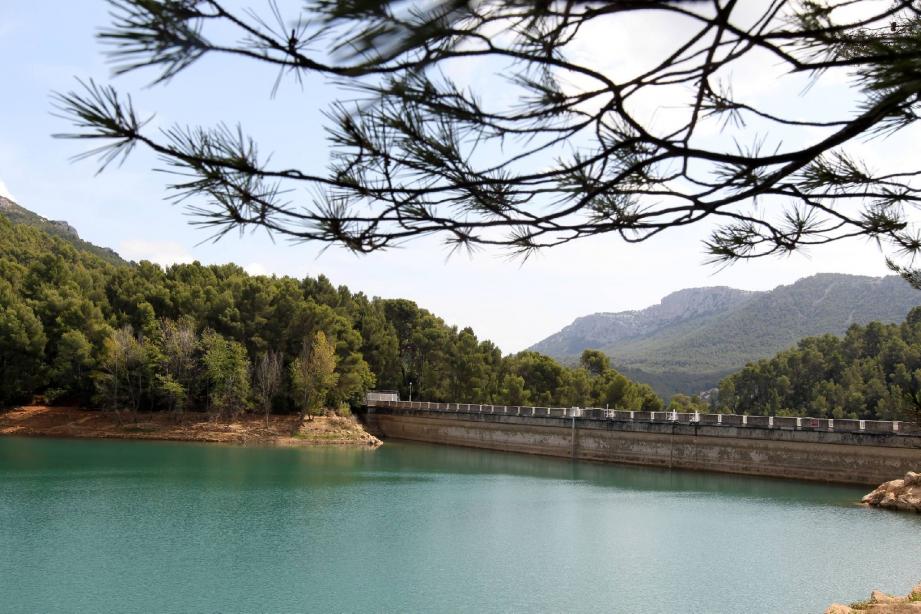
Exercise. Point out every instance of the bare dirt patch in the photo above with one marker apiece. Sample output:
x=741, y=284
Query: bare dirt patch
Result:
x=43, y=421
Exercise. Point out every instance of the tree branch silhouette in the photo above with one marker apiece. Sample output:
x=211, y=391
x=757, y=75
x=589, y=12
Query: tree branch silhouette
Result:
x=571, y=156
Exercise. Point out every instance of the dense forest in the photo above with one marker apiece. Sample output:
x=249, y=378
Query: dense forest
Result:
x=872, y=372
x=81, y=330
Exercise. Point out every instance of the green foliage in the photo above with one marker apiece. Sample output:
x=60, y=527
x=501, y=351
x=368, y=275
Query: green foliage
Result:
x=74, y=361
x=534, y=378
x=594, y=362
x=684, y=403
x=61, y=230
x=81, y=330
x=313, y=375
x=126, y=375
x=171, y=392
x=22, y=345
x=227, y=371
x=873, y=372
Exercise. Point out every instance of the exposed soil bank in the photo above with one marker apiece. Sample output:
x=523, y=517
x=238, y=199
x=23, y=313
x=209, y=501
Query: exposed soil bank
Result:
x=42, y=421
x=881, y=603
x=904, y=494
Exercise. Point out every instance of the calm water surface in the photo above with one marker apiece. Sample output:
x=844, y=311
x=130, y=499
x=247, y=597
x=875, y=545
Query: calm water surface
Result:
x=92, y=526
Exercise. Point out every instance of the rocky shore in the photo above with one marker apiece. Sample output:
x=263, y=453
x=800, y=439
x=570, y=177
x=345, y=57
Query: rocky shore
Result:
x=903, y=494
x=250, y=429
x=881, y=603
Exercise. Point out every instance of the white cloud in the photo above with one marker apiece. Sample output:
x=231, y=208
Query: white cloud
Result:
x=5, y=191
x=256, y=268
x=163, y=253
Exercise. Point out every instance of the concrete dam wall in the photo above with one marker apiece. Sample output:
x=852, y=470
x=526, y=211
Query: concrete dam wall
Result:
x=830, y=451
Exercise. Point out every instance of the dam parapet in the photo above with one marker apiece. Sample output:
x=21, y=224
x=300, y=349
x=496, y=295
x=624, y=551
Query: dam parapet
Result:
x=865, y=452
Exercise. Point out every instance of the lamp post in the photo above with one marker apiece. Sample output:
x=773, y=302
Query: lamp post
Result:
x=410, y=392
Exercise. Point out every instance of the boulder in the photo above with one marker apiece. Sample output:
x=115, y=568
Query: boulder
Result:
x=903, y=494
x=881, y=603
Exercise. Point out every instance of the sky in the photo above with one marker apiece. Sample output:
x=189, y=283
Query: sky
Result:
x=45, y=44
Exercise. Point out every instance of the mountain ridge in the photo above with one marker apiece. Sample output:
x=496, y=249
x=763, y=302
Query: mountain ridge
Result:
x=699, y=331
x=18, y=214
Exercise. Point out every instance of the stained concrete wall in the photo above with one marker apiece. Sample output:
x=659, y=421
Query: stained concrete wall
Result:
x=865, y=458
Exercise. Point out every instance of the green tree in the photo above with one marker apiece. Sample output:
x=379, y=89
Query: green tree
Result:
x=869, y=373
x=227, y=369
x=76, y=324
x=22, y=344
x=71, y=368
x=124, y=375
x=684, y=403
x=171, y=392
x=179, y=345
x=313, y=375
x=514, y=391
x=595, y=362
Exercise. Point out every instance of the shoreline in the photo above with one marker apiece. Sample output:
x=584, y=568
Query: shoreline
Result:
x=249, y=429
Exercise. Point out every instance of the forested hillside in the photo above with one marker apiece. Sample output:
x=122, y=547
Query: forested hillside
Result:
x=59, y=229
x=79, y=329
x=694, y=337
x=872, y=372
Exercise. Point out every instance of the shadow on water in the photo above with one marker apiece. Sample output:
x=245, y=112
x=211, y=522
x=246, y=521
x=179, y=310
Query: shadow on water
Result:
x=406, y=456
x=395, y=462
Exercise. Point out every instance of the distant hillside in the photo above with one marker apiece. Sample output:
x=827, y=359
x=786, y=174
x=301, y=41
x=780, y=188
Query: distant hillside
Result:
x=693, y=337
x=608, y=330
x=20, y=215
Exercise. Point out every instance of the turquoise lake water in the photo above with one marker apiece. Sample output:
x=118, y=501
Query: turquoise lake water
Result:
x=102, y=526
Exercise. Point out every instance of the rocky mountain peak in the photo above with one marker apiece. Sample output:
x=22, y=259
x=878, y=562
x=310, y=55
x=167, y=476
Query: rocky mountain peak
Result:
x=692, y=302
x=19, y=214
x=690, y=339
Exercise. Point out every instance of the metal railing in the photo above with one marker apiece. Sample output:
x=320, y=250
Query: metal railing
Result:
x=594, y=413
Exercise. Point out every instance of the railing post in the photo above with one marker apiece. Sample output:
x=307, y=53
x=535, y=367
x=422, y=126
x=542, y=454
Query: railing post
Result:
x=770, y=422
x=744, y=420
x=895, y=425
x=631, y=415
x=862, y=425
x=831, y=424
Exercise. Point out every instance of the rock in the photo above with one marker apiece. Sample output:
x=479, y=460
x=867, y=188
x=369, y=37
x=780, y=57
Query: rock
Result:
x=881, y=603
x=65, y=228
x=881, y=597
x=903, y=494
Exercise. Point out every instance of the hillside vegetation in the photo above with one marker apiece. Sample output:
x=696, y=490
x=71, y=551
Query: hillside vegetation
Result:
x=694, y=337
x=872, y=372
x=77, y=328
x=56, y=228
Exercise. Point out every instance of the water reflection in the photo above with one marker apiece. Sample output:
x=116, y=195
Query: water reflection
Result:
x=146, y=526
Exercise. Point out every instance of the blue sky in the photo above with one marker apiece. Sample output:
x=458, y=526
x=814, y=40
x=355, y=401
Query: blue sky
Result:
x=45, y=44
